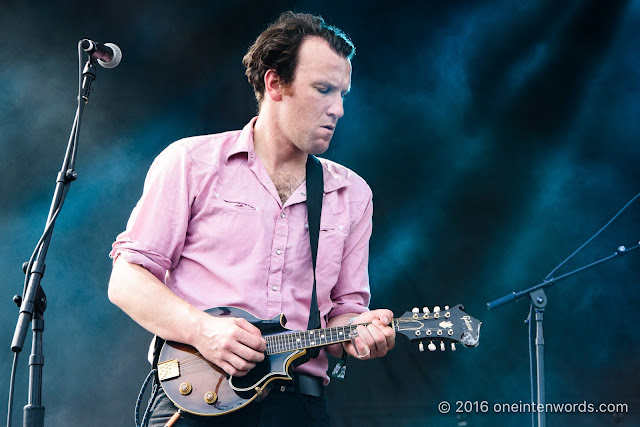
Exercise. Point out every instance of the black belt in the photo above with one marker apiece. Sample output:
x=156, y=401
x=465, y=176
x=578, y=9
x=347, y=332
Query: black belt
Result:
x=301, y=384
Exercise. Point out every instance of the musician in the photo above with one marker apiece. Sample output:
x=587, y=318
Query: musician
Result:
x=222, y=221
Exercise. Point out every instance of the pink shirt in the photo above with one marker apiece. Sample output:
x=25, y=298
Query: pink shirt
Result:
x=211, y=226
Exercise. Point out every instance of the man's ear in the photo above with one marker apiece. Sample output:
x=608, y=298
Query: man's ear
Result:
x=273, y=87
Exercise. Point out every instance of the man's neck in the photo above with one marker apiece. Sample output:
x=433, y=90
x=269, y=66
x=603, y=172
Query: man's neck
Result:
x=285, y=163
x=275, y=152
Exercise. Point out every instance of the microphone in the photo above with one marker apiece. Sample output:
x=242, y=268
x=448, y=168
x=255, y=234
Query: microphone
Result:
x=108, y=55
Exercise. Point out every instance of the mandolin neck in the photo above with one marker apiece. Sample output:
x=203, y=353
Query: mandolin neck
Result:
x=290, y=341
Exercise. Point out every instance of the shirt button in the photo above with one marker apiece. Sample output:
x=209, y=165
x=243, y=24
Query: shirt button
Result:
x=278, y=251
x=275, y=288
x=281, y=214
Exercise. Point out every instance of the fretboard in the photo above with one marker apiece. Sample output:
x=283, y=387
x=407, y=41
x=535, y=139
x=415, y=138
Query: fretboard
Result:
x=298, y=340
x=289, y=341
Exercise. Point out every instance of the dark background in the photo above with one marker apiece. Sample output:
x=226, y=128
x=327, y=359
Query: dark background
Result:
x=497, y=137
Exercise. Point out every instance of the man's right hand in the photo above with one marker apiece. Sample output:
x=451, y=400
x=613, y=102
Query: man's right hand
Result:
x=233, y=344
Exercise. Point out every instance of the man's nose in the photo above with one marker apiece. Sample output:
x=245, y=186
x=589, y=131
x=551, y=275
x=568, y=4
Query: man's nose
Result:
x=336, y=109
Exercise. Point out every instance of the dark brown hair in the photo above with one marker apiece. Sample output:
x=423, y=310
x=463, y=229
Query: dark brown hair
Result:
x=277, y=47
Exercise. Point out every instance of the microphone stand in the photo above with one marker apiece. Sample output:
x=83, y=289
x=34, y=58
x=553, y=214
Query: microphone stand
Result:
x=33, y=302
x=539, y=301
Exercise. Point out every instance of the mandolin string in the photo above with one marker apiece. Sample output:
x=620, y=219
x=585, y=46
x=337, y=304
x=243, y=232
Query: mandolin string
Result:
x=282, y=343
x=287, y=342
x=195, y=362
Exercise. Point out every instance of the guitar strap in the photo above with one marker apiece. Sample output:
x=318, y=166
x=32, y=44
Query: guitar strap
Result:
x=315, y=190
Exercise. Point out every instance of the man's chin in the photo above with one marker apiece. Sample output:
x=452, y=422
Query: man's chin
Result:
x=319, y=147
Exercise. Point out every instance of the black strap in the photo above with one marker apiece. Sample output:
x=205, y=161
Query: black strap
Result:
x=315, y=189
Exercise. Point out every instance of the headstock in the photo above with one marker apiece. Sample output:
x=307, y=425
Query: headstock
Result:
x=450, y=324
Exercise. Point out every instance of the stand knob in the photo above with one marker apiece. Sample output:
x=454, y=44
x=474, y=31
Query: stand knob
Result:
x=18, y=300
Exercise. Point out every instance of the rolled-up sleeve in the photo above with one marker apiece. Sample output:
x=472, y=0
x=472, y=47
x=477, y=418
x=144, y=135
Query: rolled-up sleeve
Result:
x=156, y=231
x=351, y=294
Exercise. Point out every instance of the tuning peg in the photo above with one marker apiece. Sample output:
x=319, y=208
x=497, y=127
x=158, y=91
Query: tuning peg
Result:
x=425, y=310
x=453, y=346
x=431, y=346
x=441, y=345
x=415, y=312
x=446, y=307
x=436, y=309
x=420, y=346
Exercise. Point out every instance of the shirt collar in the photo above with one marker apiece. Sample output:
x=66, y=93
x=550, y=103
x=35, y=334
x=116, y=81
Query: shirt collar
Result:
x=244, y=144
x=332, y=181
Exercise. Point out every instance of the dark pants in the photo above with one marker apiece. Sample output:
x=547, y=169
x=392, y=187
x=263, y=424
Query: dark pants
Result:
x=278, y=409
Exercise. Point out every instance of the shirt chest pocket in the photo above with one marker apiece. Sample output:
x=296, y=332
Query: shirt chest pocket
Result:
x=228, y=221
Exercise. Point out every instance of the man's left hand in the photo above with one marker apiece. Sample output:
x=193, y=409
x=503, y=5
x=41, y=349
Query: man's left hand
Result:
x=376, y=338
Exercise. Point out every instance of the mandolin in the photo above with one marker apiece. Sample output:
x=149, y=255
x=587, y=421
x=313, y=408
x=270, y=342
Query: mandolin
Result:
x=199, y=387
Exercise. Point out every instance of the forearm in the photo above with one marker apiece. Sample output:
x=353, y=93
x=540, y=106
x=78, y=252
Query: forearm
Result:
x=152, y=305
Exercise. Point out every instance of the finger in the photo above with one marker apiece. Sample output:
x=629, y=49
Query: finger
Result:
x=384, y=315
x=379, y=346
x=247, y=336
x=362, y=350
x=364, y=332
x=239, y=364
x=248, y=326
x=364, y=341
x=231, y=370
x=356, y=347
x=390, y=335
x=246, y=353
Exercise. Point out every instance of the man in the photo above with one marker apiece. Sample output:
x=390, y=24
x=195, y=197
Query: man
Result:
x=223, y=222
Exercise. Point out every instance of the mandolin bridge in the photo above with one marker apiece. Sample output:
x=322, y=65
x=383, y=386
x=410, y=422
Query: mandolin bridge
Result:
x=168, y=370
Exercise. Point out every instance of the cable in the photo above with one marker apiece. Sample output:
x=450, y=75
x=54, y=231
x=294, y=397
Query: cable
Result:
x=11, y=390
x=593, y=237
x=154, y=392
x=529, y=319
x=49, y=226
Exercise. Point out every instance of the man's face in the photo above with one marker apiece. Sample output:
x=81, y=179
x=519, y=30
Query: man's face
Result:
x=312, y=104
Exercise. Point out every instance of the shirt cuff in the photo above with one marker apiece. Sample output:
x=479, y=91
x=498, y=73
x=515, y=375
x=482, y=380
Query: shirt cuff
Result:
x=155, y=263
x=347, y=308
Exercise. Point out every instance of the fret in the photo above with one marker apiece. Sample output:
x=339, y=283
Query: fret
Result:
x=298, y=340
